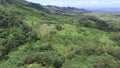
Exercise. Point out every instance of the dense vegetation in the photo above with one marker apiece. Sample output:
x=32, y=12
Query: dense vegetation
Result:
x=33, y=38
x=13, y=32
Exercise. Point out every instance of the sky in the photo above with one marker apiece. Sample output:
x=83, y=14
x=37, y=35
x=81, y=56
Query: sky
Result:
x=80, y=3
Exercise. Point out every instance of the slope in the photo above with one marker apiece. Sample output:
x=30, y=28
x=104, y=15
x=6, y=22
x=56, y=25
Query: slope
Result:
x=62, y=41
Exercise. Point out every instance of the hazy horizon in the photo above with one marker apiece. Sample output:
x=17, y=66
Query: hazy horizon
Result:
x=107, y=5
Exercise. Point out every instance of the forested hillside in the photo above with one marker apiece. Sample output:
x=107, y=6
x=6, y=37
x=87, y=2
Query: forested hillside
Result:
x=33, y=37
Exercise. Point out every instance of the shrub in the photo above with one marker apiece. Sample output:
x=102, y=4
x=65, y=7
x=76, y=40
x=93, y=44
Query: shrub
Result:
x=1, y=50
x=14, y=31
x=57, y=63
x=115, y=36
x=32, y=36
x=34, y=66
x=70, y=56
x=90, y=50
x=102, y=25
x=59, y=27
x=45, y=59
x=29, y=59
x=105, y=62
x=53, y=32
x=90, y=21
x=47, y=47
x=114, y=51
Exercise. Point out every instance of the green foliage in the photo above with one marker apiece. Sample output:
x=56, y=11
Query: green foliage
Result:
x=14, y=31
x=45, y=59
x=1, y=50
x=115, y=36
x=114, y=51
x=59, y=27
x=90, y=50
x=91, y=21
x=34, y=66
x=33, y=38
x=48, y=47
x=105, y=62
x=37, y=6
x=57, y=63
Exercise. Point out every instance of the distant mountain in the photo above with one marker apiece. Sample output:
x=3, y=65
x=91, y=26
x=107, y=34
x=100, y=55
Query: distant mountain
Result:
x=65, y=10
x=48, y=8
x=104, y=9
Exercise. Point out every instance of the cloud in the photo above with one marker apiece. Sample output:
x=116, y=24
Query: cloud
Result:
x=80, y=3
x=89, y=3
x=117, y=2
x=96, y=2
x=92, y=2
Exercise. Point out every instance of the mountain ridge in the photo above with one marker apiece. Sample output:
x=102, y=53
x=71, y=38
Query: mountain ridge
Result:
x=48, y=8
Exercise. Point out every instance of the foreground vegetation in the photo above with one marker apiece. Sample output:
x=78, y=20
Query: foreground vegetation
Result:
x=32, y=38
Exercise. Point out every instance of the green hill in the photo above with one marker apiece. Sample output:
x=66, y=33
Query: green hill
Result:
x=65, y=10
x=31, y=37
